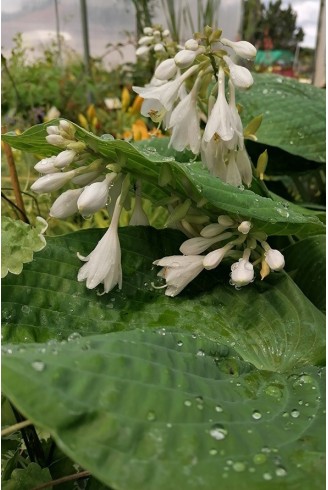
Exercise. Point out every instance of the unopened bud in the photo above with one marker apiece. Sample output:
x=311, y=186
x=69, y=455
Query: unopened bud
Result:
x=66, y=204
x=52, y=182
x=262, y=163
x=166, y=70
x=192, y=44
x=185, y=58
x=64, y=158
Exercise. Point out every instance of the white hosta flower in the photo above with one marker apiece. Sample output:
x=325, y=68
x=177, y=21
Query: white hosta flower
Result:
x=242, y=273
x=220, y=120
x=113, y=103
x=213, y=156
x=178, y=271
x=185, y=123
x=233, y=176
x=52, y=129
x=94, y=196
x=274, y=259
x=145, y=40
x=185, y=58
x=244, y=227
x=66, y=204
x=159, y=47
x=52, y=182
x=166, y=70
x=238, y=137
x=244, y=166
x=148, y=31
x=103, y=264
x=46, y=166
x=53, y=113
x=64, y=158
x=167, y=93
x=240, y=76
x=142, y=51
x=244, y=49
x=213, y=259
x=192, y=44
x=212, y=230
x=139, y=217
x=56, y=140
x=197, y=245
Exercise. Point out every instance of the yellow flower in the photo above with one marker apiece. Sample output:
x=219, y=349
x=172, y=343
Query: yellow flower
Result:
x=125, y=98
x=83, y=121
x=136, y=106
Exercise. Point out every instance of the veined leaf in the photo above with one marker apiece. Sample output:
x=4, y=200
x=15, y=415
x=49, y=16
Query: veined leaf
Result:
x=270, y=323
x=148, y=410
x=191, y=180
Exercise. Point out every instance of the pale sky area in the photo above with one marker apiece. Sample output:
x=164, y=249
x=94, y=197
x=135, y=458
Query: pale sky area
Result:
x=110, y=19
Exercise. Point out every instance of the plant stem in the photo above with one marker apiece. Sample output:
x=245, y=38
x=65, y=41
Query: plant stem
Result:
x=15, y=427
x=64, y=479
x=14, y=179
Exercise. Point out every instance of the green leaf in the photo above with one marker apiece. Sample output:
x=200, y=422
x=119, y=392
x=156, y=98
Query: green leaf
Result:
x=306, y=263
x=293, y=115
x=144, y=409
x=27, y=478
x=19, y=242
x=190, y=180
x=270, y=323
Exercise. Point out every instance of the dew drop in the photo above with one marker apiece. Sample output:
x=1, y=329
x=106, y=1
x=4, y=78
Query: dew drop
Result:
x=73, y=336
x=200, y=353
x=295, y=413
x=151, y=416
x=267, y=476
x=25, y=309
x=213, y=452
x=218, y=408
x=187, y=403
x=38, y=366
x=256, y=415
x=239, y=467
x=180, y=343
x=281, y=471
x=259, y=458
x=265, y=91
x=218, y=432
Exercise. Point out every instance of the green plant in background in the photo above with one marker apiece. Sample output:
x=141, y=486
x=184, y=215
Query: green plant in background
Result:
x=218, y=385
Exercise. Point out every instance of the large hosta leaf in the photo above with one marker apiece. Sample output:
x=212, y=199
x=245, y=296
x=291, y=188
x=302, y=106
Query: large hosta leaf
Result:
x=293, y=115
x=270, y=323
x=190, y=180
x=306, y=263
x=147, y=410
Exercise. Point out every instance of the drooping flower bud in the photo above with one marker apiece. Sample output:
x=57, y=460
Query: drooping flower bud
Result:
x=185, y=58
x=244, y=49
x=46, y=166
x=145, y=40
x=213, y=259
x=94, y=196
x=274, y=259
x=52, y=129
x=142, y=51
x=148, y=31
x=166, y=70
x=191, y=44
x=52, y=182
x=159, y=47
x=244, y=227
x=66, y=204
x=56, y=140
x=64, y=158
x=242, y=273
x=240, y=76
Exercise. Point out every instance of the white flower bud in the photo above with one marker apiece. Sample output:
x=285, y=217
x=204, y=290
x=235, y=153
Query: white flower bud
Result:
x=244, y=227
x=159, y=47
x=148, y=31
x=94, y=196
x=142, y=51
x=64, y=158
x=243, y=49
x=240, y=76
x=274, y=259
x=145, y=40
x=166, y=70
x=66, y=204
x=166, y=33
x=56, y=140
x=225, y=220
x=46, y=166
x=52, y=182
x=87, y=178
x=185, y=58
x=213, y=259
x=242, y=273
x=192, y=44
x=212, y=230
x=53, y=130
x=157, y=33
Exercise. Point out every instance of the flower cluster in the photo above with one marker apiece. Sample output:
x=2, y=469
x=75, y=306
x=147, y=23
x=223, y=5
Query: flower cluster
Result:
x=155, y=39
x=176, y=95
x=236, y=240
x=96, y=187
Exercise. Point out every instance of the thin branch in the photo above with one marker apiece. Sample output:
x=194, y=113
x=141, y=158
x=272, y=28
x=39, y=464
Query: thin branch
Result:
x=15, y=427
x=64, y=479
x=26, y=194
x=14, y=179
x=12, y=204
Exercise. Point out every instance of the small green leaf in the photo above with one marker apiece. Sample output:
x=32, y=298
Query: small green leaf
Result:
x=27, y=478
x=19, y=242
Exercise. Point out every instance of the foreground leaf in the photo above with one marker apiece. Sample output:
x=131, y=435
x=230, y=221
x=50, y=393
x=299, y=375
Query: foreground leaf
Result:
x=190, y=180
x=26, y=479
x=19, y=242
x=160, y=410
x=270, y=323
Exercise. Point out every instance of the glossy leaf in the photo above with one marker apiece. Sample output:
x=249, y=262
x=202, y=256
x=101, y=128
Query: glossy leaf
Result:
x=190, y=180
x=293, y=115
x=144, y=409
x=270, y=323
